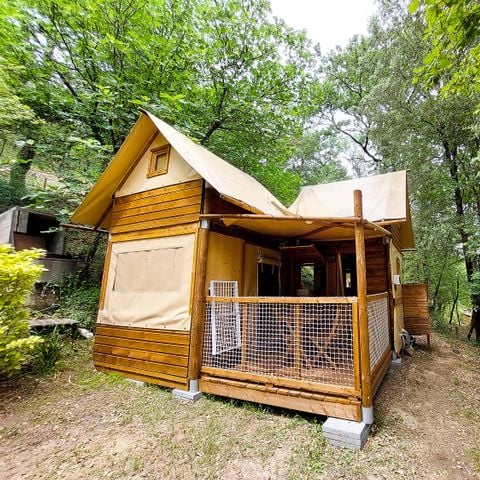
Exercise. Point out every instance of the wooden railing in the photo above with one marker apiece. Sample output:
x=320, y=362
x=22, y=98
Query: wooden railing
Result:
x=378, y=336
x=310, y=343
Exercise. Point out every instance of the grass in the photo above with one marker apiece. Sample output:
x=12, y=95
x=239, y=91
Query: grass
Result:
x=475, y=456
x=102, y=426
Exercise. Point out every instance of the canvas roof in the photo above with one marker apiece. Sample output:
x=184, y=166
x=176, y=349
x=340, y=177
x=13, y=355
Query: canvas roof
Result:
x=385, y=201
x=222, y=176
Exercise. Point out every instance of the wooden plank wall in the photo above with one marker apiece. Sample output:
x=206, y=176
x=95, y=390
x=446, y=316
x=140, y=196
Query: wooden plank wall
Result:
x=155, y=213
x=149, y=355
x=152, y=356
x=415, y=308
x=376, y=266
x=395, y=229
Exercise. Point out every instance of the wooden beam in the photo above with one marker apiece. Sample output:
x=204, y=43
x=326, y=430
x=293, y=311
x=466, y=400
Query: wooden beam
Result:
x=367, y=396
x=341, y=287
x=285, y=398
x=239, y=203
x=198, y=304
x=376, y=296
x=83, y=227
x=309, y=220
x=276, y=381
x=378, y=228
x=295, y=300
x=106, y=267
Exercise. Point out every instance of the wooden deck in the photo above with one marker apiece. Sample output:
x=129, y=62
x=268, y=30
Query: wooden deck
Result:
x=324, y=379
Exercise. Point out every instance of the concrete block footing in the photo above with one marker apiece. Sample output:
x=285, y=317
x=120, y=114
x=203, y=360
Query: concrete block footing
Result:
x=138, y=383
x=396, y=360
x=345, y=433
x=186, y=396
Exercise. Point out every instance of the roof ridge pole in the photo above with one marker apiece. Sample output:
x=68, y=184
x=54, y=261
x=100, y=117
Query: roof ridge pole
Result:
x=198, y=309
x=366, y=378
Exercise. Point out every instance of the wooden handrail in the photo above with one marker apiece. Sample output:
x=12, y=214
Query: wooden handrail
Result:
x=376, y=296
x=294, y=300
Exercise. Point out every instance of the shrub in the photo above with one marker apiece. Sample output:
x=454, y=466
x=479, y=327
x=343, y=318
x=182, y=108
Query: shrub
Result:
x=18, y=273
x=48, y=353
x=79, y=300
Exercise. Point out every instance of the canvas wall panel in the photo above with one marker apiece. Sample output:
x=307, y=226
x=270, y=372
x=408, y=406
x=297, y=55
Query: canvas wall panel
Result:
x=149, y=283
x=178, y=171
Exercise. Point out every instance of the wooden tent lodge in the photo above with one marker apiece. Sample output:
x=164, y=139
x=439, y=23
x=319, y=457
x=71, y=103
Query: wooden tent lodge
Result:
x=211, y=283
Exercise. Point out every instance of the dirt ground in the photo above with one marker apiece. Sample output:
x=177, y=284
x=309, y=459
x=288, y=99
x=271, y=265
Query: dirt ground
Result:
x=80, y=424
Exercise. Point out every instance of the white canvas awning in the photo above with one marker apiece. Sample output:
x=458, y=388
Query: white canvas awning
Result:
x=385, y=201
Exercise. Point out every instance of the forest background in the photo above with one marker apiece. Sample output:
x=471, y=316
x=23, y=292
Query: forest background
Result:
x=260, y=94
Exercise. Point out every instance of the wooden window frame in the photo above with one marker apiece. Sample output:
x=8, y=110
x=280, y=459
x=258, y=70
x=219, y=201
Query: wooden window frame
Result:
x=154, y=153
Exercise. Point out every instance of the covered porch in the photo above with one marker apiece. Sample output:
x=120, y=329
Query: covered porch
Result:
x=307, y=351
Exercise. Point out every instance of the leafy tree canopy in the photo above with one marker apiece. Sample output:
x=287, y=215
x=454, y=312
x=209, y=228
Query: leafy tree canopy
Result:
x=453, y=30
x=225, y=72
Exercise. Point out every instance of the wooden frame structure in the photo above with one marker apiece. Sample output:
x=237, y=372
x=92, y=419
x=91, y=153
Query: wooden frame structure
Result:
x=173, y=234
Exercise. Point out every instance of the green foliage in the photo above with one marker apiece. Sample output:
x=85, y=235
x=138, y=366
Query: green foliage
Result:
x=397, y=124
x=453, y=30
x=316, y=157
x=226, y=73
x=48, y=353
x=18, y=273
x=12, y=110
x=79, y=300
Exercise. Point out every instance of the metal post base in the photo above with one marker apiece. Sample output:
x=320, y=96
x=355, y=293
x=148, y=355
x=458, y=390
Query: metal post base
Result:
x=367, y=415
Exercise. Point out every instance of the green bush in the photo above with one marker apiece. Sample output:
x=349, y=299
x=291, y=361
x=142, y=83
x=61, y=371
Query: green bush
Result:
x=18, y=273
x=48, y=353
x=79, y=300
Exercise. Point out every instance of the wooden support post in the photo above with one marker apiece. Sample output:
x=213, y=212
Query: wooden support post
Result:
x=341, y=287
x=198, y=304
x=391, y=311
x=367, y=397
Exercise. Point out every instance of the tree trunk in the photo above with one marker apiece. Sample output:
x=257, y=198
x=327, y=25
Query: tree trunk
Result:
x=455, y=300
x=475, y=325
x=86, y=271
x=471, y=260
x=19, y=170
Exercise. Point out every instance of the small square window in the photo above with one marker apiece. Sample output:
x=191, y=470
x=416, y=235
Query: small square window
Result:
x=158, y=164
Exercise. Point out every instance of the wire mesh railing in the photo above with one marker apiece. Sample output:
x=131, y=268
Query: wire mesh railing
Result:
x=308, y=339
x=378, y=327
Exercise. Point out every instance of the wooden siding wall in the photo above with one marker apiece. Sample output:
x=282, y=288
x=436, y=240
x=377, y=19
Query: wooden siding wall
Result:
x=395, y=229
x=377, y=268
x=415, y=308
x=152, y=356
x=225, y=260
x=161, y=212
x=149, y=355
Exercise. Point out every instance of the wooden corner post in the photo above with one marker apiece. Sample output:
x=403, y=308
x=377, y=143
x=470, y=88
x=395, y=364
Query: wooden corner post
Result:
x=198, y=306
x=366, y=378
